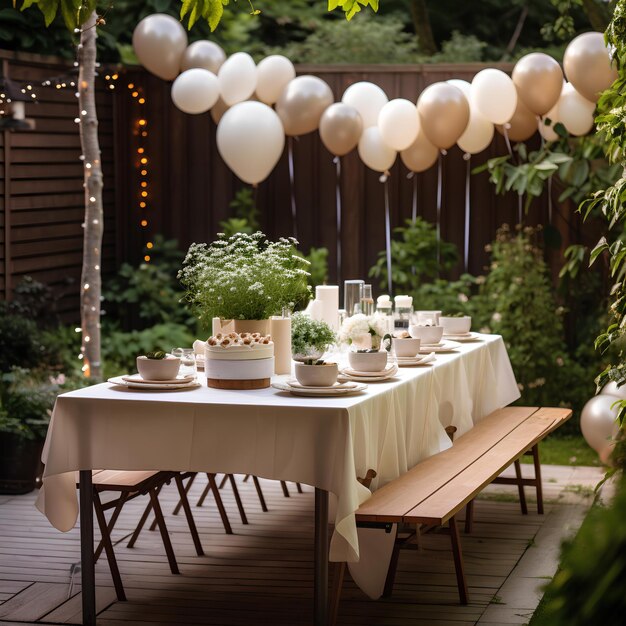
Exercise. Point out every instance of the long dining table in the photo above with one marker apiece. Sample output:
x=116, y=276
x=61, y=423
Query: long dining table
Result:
x=325, y=442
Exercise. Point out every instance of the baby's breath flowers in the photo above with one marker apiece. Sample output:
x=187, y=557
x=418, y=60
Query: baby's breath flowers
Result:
x=244, y=277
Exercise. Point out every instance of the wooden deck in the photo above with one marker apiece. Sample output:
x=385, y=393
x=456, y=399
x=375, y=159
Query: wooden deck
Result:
x=262, y=574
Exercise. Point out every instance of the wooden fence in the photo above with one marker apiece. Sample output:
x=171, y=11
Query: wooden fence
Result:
x=189, y=187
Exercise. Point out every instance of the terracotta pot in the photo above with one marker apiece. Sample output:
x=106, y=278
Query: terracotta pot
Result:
x=240, y=326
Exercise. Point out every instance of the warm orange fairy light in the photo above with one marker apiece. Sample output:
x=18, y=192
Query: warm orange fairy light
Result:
x=131, y=86
x=147, y=258
x=114, y=77
x=144, y=194
x=140, y=150
x=144, y=183
x=142, y=205
x=144, y=161
x=149, y=245
x=141, y=100
x=142, y=122
x=144, y=172
x=135, y=94
x=144, y=223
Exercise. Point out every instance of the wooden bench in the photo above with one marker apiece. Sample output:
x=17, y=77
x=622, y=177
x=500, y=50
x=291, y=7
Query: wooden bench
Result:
x=435, y=490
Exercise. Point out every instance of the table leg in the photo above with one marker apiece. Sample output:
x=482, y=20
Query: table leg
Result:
x=320, y=594
x=87, y=568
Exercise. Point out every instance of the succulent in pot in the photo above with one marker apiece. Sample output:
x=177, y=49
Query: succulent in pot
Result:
x=157, y=365
x=309, y=338
x=316, y=373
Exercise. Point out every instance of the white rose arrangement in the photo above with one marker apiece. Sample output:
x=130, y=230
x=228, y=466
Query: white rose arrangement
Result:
x=364, y=331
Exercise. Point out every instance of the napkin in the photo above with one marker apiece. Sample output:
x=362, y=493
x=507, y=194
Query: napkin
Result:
x=198, y=347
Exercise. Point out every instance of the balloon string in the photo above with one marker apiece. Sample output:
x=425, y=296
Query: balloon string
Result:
x=337, y=161
x=292, y=187
x=508, y=141
x=467, y=158
x=414, y=207
x=388, y=236
x=543, y=141
x=519, y=209
x=439, y=194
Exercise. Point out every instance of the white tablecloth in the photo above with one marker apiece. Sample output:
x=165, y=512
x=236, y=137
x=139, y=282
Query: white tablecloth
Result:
x=324, y=442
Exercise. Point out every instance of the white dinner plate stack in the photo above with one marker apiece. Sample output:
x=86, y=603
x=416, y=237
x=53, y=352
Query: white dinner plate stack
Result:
x=336, y=390
x=442, y=346
x=416, y=361
x=347, y=373
x=463, y=338
x=135, y=381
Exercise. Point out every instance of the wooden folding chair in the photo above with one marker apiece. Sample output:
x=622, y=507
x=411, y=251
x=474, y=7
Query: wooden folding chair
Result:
x=129, y=485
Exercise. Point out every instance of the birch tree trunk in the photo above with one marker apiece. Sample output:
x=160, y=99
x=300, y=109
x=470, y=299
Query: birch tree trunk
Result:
x=93, y=227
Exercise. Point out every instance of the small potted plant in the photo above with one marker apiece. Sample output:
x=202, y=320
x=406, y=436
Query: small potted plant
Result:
x=316, y=373
x=244, y=278
x=158, y=365
x=456, y=323
x=309, y=338
x=366, y=335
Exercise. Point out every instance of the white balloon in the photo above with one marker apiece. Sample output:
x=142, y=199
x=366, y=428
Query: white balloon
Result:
x=273, y=73
x=374, y=152
x=547, y=132
x=598, y=421
x=399, y=123
x=611, y=389
x=463, y=85
x=250, y=138
x=575, y=112
x=237, y=77
x=494, y=95
x=368, y=99
x=195, y=91
x=478, y=134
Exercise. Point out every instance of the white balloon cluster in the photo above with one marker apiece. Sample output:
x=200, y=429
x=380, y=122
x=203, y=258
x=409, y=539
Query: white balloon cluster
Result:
x=255, y=106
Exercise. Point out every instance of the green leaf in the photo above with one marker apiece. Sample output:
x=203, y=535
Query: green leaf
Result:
x=214, y=14
x=49, y=8
x=601, y=246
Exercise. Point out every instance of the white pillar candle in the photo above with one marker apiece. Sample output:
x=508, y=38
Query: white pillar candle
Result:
x=328, y=297
x=280, y=330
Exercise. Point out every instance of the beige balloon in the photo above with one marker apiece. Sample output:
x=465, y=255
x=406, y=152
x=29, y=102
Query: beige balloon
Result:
x=444, y=114
x=477, y=135
x=159, y=41
x=420, y=155
x=203, y=54
x=340, y=128
x=302, y=103
x=538, y=78
x=273, y=74
x=523, y=125
x=588, y=66
x=218, y=110
x=374, y=152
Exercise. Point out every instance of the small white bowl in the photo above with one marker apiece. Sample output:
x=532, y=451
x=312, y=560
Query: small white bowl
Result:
x=317, y=375
x=368, y=361
x=424, y=317
x=407, y=347
x=428, y=334
x=158, y=369
x=456, y=325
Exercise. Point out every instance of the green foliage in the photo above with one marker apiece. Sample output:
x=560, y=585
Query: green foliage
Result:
x=414, y=256
x=151, y=289
x=589, y=586
x=562, y=28
x=310, y=335
x=120, y=349
x=244, y=277
x=368, y=41
x=516, y=301
x=246, y=214
x=18, y=342
x=460, y=48
x=318, y=265
x=156, y=355
x=446, y=295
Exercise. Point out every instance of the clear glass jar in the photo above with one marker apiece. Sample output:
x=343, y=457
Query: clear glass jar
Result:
x=403, y=311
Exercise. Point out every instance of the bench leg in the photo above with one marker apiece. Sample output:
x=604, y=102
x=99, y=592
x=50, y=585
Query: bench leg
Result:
x=520, y=488
x=223, y=481
x=391, y=572
x=220, y=505
x=187, y=509
x=469, y=517
x=283, y=484
x=242, y=512
x=259, y=492
x=142, y=521
x=111, y=524
x=108, y=547
x=167, y=544
x=458, y=560
x=176, y=510
x=335, y=598
x=204, y=494
x=299, y=488
x=538, y=486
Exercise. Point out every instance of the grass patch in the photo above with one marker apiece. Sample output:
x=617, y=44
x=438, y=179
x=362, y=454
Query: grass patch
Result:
x=569, y=450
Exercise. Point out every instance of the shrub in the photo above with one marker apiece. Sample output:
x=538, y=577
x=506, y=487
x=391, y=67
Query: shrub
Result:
x=307, y=333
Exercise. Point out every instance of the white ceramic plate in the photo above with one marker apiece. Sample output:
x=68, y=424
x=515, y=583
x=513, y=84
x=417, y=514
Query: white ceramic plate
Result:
x=444, y=346
x=390, y=370
x=338, y=385
x=119, y=380
x=136, y=378
x=426, y=359
x=348, y=374
x=319, y=391
x=466, y=338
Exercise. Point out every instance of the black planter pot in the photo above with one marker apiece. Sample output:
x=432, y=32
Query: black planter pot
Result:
x=20, y=464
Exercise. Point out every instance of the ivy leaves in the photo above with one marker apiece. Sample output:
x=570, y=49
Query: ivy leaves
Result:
x=351, y=7
x=209, y=10
x=74, y=12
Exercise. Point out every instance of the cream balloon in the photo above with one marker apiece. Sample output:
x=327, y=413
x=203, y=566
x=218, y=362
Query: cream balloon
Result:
x=523, y=125
x=340, y=128
x=195, y=91
x=463, y=85
x=251, y=139
x=538, y=78
x=374, y=152
x=444, y=114
x=611, y=389
x=159, y=41
x=237, y=78
x=218, y=110
x=545, y=130
x=273, y=74
x=368, y=99
x=494, y=95
x=478, y=134
x=420, y=155
x=399, y=123
x=588, y=66
x=203, y=54
x=598, y=422
x=302, y=103
x=574, y=111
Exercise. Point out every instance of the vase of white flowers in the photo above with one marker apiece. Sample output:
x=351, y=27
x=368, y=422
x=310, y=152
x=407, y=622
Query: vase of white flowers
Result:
x=365, y=332
x=244, y=277
x=309, y=338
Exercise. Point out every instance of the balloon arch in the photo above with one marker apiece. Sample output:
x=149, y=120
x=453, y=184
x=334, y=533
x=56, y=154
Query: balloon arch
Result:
x=256, y=106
